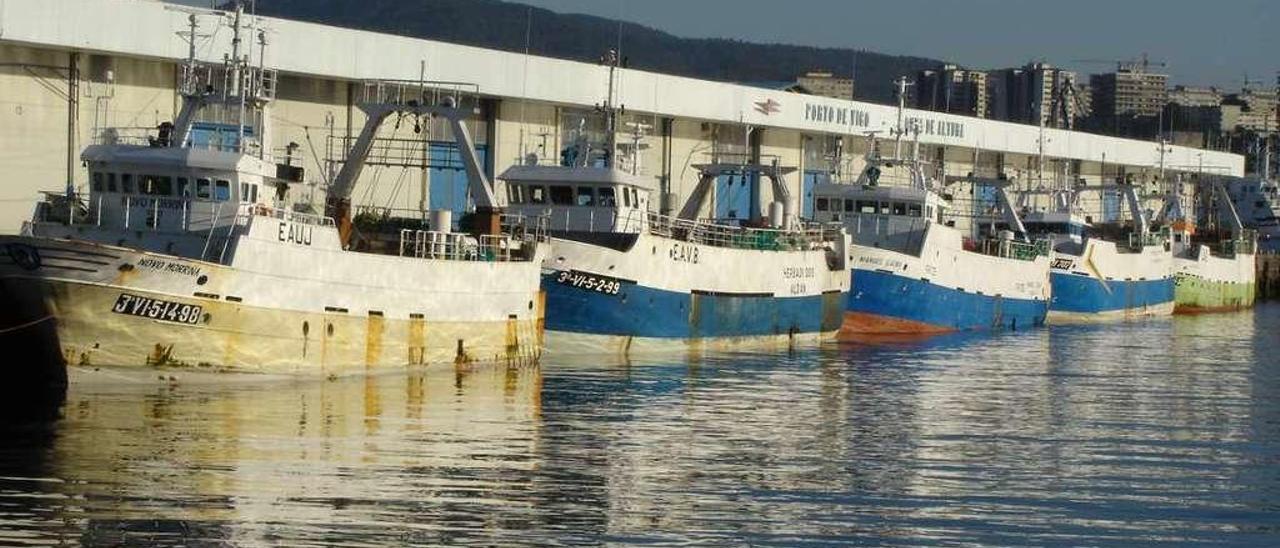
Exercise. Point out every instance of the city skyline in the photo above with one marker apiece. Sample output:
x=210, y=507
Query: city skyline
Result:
x=1200, y=47
x=1190, y=38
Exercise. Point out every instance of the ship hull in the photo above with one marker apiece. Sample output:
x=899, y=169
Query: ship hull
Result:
x=1214, y=284
x=103, y=306
x=661, y=294
x=888, y=304
x=943, y=289
x=1104, y=284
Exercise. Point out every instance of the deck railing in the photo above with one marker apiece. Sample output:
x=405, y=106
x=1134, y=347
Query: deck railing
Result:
x=1013, y=249
x=805, y=238
x=454, y=246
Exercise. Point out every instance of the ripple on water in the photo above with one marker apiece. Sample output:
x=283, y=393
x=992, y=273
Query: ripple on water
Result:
x=1157, y=431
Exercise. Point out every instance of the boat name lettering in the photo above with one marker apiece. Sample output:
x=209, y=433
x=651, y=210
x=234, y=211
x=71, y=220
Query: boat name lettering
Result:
x=167, y=266
x=589, y=282
x=294, y=234
x=157, y=309
x=795, y=272
x=150, y=203
x=684, y=253
x=1063, y=264
x=893, y=264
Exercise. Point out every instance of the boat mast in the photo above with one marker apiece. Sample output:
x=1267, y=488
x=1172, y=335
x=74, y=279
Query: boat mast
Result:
x=610, y=112
x=901, y=130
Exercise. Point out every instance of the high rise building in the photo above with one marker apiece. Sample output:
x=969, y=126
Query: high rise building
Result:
x=1037, y=93
x=1127, y=99
x=1257, y=110
x=826, y=84
x=1195, y=97
x=950, y=88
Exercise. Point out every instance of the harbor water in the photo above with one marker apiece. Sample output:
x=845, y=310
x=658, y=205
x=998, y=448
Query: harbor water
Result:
x=1159, y=431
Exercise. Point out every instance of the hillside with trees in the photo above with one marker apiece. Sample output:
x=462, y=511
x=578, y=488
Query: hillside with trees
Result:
x=502, y=25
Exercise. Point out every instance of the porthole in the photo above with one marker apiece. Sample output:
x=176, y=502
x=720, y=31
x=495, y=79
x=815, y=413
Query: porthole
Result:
x=329, y=330
x=202, y=280
x=207, y=317
x=306, y=328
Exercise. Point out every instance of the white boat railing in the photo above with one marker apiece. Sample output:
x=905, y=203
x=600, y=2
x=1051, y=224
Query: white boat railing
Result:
x=455, y=246
x=805, y=238
x=261, y=210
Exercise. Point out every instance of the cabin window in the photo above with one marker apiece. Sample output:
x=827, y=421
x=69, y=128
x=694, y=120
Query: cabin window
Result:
x=154, y=185
x=899, y=208
x=866, y=207
x=126, y=183
x=97, y=182
x=248, y=193
x=821, y=204
x=111, y=182
x=561, y=195
x=607, y=198
x=913, y=210
x=537, y=194
x=202, y=189
x=635, y=197
x=885, y=208
x=253, y=194
x=222, y=190
x=626, y=197
x=586, y=196
x=848, y=206
x=184, y=187
x=513, y=193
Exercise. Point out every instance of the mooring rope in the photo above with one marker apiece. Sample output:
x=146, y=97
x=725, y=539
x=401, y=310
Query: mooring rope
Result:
x=26, y=325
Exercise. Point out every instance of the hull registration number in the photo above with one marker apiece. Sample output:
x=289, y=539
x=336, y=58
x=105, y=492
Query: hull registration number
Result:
x=589, y=282
x=157, y=309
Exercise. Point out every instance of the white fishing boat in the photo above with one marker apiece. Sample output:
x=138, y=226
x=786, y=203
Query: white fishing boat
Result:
x=193, y=251
x=620, y=278
x=1215, y=262
x=1102, y=272
x=913, y=272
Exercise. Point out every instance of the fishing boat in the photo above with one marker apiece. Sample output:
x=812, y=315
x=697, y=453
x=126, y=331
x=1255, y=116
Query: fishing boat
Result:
x=1101, y=271
x=913, y=272
x=1257, y=203
x=621, y=278
x=197, y=249
x=1215, y=270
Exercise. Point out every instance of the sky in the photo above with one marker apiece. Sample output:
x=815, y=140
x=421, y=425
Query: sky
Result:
x=1202, y=42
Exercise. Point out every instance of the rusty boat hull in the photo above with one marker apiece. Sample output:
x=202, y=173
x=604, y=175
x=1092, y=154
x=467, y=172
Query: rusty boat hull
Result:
x=85, y=304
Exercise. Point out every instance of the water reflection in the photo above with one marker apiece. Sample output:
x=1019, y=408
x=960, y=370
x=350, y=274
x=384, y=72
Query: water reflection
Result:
x=1146, y=432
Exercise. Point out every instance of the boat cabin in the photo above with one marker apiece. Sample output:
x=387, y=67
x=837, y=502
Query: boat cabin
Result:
x=875, y=216
x=579, y=199
x=172, y=189
x=1056, y=226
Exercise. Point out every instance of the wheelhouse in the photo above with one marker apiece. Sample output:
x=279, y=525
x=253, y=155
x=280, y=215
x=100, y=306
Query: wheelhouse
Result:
x=579, y=199
x=886, y=217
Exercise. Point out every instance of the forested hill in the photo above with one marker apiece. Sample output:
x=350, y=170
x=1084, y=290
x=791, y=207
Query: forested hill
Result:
x=501, y=25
